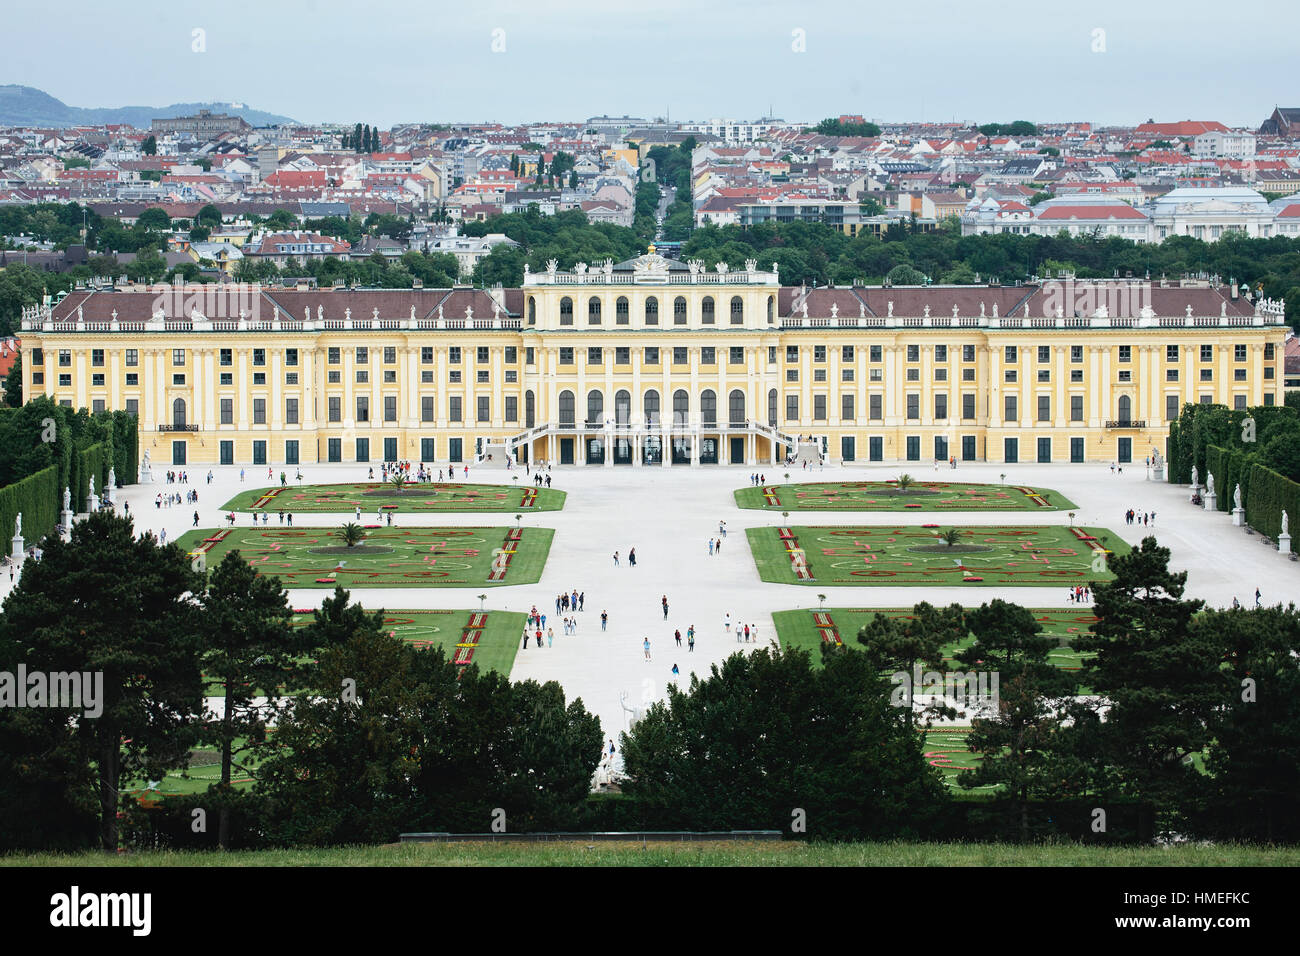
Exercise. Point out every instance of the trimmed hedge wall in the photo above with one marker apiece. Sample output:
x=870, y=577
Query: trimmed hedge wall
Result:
x=94, y=460
x=1270, y=494
x=37, y=497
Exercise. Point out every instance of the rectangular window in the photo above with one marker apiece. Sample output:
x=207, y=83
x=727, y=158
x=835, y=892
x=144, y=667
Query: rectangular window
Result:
x=1076, y=408
x=1010, y=412
x=178, y=379
x=363, y=449
x=362, y=355
x=1239, y=403
x=390, y=355
x=1171, y=375
x=65, y=381
x=1009, y=375
x=426, y=408
x=334, y=449
x=819, y=353
x=875, y=353
x=97, y=380
x=941, y=353
x=913, y=405
x=914, y=353
x=875, y=407
x=680, y=355
x=335, y=408
x=426, y=355
x=940, y=407
x=1207, y=375
x=1207, y=353
x=914, y=375
x=133, y=357
x=453, y=408
x=512, y=408
x=453, y=355
x=846, y=353
x=333, y=357
x=291, y=357
x=97, y=405
x=97, y=358
x=708, y=355
x=622, y=355
x=363, y=376
x=1076, y=375
x=132, y=378
x=290, y=378
x=227, y=411
x=1171, y=407
x=133, y=406
x=1076, y=353
x=1044, y=374
x=1044, y=353
x=484, y=408
x=259, y=357
x=819, y=408
x=652, y=356
x=178, y=356
x=259, y=411
x=566, y=355
x=1268, y=351
x=38, y=357
x=968, y=353
x=482, y=354
x=482, y=377
x=1126, y=353
x=792, y=375
x=512, y=355
x=363, y=408
x=65, y=358
x=792, y=408
x=1239, y=353
x=1044, y=408
x=736, y=355
x=968, y=406
x=390, y=408
x=846, y=407
x=1009, y=354
x=291, y=411
x=1239, y=375
x=792, y=353
x=530, y=356
x=1171, y=353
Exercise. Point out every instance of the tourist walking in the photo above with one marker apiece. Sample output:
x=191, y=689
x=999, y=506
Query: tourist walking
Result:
x=690, y=638
x=631, y=558
x=604, y=619
x=710, y=547
x=665, y=604
x=646, y=645
x=615, y=559
x=677, y=635
x=726, y=622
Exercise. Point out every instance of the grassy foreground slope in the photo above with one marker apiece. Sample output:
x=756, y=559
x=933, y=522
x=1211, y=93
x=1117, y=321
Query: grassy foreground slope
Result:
x=791, y=853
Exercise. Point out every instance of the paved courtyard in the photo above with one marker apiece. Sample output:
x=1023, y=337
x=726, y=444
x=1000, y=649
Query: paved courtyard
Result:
x=669, y=515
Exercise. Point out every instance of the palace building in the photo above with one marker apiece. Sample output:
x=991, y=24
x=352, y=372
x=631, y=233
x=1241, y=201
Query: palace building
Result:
x=656, y=362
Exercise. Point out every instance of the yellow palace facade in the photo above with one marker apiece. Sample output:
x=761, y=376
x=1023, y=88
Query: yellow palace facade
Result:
x=655, y=362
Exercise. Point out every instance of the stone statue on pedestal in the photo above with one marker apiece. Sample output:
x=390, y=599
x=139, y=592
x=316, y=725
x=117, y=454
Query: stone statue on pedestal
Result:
x=18, y=524
x=1236, y=497
x=1286, y=523
x=1195, y=482
x=1209, y=484
x=67, y=499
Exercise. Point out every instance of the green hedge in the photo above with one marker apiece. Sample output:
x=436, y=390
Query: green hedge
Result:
x=37, y=497
x=1216, y=465
x=93, y=460
x=1270, y=494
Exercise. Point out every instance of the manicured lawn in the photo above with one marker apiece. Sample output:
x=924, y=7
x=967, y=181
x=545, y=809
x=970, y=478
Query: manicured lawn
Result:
x=493, y=637
x=371, y=496
x=632, y=853
x=1029, y=555
x=389, y=557
x=921, y=495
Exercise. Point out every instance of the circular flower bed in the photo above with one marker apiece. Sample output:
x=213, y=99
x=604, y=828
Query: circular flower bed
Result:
x=362, y=549
x=950, y=548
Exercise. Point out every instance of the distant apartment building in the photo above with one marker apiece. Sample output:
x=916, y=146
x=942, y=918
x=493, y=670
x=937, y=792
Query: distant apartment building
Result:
x=1217, y=144
x=736, y=131
x=280, y=247
x=205, y=124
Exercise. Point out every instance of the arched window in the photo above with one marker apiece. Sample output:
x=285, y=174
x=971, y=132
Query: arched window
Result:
x=709, y=408
x=681, y=407
x=651, y=405
x=622, y=407
x=178, y=413
x=1125, y=409
x=772, y=408
x=706, y=310
x=679, y=310
x=595, y=407
x=736, y=408
x=622, y=316
x=532, y=310
x=530, y=409
x=771, y=309
x=652, y=311
x=593, y=311
x=566, y=311
x=566, y=408
x=737, y=311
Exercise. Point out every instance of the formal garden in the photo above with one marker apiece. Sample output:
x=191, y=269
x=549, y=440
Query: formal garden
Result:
x=931, y=554
x=410, y=497
x=380, y=556
x=903, y=493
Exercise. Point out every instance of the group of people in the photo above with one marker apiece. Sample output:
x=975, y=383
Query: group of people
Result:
x=178, y=478
x=1145, y=518
x=167, y=500
x=570, y=602
x=1081, y=594
x=757, y=479
x=631, y=558
x=744, y=632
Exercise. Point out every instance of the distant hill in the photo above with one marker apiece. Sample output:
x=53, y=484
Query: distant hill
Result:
x=28, y=106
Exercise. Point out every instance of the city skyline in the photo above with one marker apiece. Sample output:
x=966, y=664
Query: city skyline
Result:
x=821, y=61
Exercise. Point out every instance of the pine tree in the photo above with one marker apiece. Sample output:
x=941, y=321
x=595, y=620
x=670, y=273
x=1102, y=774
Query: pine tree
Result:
x=357, y=143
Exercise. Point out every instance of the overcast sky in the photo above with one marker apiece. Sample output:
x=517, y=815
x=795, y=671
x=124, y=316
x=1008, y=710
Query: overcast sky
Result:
x=1118, y=61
